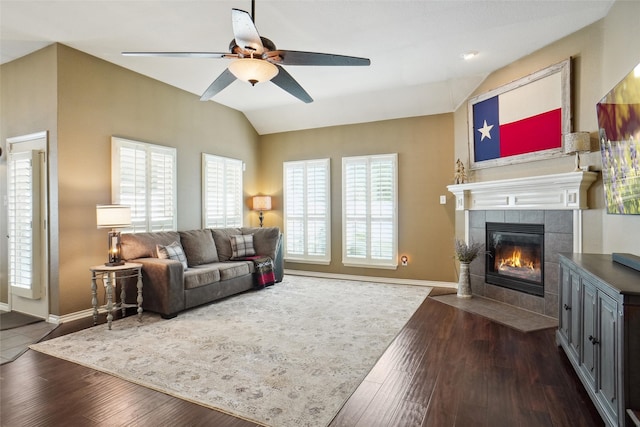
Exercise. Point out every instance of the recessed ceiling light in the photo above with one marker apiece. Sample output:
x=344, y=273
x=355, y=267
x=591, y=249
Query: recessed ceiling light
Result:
x=469, y=55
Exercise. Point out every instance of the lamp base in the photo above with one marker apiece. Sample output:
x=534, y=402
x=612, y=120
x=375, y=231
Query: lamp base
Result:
x=114, y=264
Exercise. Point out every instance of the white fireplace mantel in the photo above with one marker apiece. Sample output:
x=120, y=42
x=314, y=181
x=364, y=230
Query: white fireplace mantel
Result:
x=558, y=191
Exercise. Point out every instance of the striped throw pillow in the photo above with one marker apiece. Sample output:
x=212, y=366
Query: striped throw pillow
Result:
x=242, y=246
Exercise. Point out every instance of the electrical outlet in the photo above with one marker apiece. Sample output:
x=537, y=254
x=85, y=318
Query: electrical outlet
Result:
x=443, y=200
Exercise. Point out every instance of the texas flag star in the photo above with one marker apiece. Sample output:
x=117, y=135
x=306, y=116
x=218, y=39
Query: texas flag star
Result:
x=485, y=131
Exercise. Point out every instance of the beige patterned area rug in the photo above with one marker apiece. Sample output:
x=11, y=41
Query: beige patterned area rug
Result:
x=289, y=355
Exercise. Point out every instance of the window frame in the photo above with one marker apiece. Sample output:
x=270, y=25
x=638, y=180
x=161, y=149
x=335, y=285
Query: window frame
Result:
x=368, y=260
x=305, y=217
x=144, y=221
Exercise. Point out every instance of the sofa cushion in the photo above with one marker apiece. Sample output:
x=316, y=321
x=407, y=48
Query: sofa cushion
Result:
x=199, y=247
x=143, y=245
x=201, y=275
x=223, y=244
x=242, y=246
x=172, y=251
x=231, y=270
x=265, y=240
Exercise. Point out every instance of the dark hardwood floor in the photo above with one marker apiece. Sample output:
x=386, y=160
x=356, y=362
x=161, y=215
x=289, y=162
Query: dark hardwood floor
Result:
x=447, y=367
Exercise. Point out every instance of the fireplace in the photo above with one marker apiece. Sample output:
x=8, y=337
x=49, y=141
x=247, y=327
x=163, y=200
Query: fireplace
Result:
x=554, y=201
x=515, y=256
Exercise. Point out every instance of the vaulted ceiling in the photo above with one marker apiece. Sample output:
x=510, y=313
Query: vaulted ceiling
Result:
x=415, y=48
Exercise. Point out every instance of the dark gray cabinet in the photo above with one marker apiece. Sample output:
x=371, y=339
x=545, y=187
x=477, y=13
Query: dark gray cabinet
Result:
x=599, y=329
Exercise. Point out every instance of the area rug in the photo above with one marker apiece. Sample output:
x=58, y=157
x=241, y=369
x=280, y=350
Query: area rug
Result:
x=14, y=319
x=16, y=341
x=288, y=355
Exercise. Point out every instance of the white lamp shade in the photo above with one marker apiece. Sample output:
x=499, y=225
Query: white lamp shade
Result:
x=261, y=203
x=113, y=216
x=577, y=142
x=253, y=70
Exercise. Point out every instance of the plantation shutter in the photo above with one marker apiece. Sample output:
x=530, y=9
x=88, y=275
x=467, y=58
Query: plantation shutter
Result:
x=307, y=211
x=370, y=211
x=144, y=178
x=162, y=189
x=222, y=191
x=23, y=222
x=131, y=175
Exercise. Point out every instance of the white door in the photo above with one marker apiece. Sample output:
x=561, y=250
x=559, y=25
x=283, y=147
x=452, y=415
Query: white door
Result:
x=27, y=214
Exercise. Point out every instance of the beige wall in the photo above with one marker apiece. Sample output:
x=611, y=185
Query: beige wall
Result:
x=28, y=104
x=425, y=164
x=601, y=55
x=96, y=100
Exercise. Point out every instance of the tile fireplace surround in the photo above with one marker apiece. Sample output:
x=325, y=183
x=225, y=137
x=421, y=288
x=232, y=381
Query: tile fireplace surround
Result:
x=556, y=201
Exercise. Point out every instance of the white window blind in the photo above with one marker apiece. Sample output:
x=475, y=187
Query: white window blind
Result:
x=24, y=221
x=369, y=211
x=144, y=177
x=221, y=191
x=307, y=211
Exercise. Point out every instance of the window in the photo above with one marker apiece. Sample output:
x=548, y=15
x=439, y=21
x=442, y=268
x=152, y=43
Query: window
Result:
x=221, y=192
x=307, y=211
x=143, y=176
x=369, y=211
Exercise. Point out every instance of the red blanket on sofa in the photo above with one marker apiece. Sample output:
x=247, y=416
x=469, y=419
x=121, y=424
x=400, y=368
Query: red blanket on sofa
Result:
x=264, y=275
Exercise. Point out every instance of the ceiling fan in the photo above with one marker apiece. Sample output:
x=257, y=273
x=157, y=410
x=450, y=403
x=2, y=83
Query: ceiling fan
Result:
x=257, y=59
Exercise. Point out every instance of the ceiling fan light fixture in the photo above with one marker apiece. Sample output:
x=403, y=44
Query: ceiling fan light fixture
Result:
x=253, y=70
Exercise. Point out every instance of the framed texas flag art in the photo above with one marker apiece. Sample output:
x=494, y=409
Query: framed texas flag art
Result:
x=523, y=120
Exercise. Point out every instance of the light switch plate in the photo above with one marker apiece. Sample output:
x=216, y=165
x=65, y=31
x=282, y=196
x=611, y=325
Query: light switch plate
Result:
x=443, y=200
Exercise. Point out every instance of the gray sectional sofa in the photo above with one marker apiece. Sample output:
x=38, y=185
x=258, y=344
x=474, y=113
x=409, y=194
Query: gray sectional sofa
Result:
x=211, y=271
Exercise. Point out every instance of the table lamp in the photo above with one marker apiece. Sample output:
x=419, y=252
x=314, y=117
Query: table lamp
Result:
x=577, y=142
x=113, y=217
x=261, y=203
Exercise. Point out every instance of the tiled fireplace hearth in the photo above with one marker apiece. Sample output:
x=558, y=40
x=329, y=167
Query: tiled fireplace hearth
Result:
x=553, y=201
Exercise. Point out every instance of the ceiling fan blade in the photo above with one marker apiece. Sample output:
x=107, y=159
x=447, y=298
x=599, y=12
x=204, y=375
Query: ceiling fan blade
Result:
x=183, y=54
x=292, y=57
x=288, y=83
x=245, y=32
x=223, y=80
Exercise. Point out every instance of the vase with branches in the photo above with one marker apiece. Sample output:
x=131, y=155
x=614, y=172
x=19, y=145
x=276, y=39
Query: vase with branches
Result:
x=465, y=253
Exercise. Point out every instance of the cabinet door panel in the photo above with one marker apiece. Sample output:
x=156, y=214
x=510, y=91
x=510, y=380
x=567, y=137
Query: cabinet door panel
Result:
x=575, y=338
x=607, y=355
x=589, y=324
x=564, y=320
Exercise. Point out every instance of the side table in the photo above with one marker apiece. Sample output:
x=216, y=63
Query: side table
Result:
x=109, y=275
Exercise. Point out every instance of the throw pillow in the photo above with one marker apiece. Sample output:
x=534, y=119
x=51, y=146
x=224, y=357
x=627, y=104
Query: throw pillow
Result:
x=242, y=246
x=172, y=251
x=199, y=247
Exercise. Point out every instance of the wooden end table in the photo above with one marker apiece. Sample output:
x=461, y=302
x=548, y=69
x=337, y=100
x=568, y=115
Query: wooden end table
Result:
x=109, y=275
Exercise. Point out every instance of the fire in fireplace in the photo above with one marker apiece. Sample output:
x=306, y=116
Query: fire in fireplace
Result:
x=515, y=256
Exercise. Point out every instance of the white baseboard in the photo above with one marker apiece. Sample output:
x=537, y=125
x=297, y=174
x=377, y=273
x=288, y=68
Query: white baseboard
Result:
x=74, y=316
x=414, y=282
x=4, y=306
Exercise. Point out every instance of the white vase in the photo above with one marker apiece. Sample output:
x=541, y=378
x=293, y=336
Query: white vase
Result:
x=464, y=282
